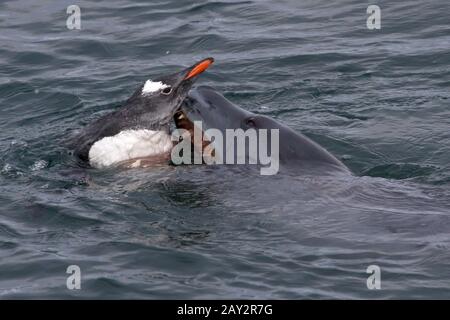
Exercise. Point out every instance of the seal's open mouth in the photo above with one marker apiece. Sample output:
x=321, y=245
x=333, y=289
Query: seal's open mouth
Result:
x=183, y=122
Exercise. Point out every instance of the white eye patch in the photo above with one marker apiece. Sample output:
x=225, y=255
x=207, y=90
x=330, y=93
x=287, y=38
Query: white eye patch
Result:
x=151, y=86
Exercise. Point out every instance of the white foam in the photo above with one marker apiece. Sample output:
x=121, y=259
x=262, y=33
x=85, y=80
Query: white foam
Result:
x=7, y=168
x=152, y=86
x=39, y=165
x=129, y=144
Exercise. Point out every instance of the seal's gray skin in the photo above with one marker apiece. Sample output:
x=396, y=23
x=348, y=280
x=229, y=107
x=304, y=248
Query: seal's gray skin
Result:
x=296, y=150
x=153, y=112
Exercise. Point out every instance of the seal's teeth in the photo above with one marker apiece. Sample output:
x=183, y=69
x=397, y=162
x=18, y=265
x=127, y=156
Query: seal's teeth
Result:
x=179, y=116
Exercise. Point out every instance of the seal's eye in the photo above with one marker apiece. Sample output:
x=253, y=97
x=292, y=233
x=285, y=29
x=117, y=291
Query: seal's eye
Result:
x=250, y=122
x=167, y=91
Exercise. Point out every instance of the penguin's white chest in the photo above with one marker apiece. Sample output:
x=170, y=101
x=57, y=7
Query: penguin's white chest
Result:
x=127, y=145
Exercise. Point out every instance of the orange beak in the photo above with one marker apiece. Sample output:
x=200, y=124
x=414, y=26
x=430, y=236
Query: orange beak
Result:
x=199, y=68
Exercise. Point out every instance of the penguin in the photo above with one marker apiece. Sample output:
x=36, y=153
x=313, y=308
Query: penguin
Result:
x=140, y=129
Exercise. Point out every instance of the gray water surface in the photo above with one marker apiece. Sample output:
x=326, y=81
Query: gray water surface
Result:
x=377, y=99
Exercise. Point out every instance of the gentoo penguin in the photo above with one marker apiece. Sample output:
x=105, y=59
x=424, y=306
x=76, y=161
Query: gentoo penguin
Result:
x=140, y=128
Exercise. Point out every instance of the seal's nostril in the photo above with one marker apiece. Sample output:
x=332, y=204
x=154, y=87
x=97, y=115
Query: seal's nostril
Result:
x=188, y=102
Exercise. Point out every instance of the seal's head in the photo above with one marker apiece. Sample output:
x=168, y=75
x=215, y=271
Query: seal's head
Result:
x=205, y=106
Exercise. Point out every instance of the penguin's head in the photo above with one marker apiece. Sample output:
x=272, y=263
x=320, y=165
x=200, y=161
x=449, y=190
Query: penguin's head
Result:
x=154, y=103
